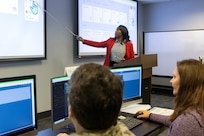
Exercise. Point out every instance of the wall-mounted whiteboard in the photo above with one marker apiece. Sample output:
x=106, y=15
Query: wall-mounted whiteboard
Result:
x=22, y=29
x=173, y=46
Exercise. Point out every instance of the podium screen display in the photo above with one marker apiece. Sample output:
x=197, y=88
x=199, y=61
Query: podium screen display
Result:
x=132, y=81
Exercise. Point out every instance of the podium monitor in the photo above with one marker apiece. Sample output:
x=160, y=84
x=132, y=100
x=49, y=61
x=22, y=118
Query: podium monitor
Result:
x=131, y=77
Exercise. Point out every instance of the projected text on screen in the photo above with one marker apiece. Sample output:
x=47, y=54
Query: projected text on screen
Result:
x=98, y=21
x=22, y=32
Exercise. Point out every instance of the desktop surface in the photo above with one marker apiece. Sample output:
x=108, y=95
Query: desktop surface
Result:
x=147, y=128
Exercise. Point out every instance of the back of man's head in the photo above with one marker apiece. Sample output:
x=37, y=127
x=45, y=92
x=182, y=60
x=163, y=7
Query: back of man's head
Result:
x=95, y=96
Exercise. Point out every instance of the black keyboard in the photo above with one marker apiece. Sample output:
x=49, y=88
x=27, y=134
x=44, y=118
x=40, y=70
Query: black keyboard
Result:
x=131, y=122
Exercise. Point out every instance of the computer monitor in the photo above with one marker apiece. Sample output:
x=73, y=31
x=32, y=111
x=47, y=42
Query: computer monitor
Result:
x=131, y=77
x=59, y=99
x=17, y=105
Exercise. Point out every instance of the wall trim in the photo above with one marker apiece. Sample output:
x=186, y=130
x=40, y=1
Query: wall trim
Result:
x=44, y=114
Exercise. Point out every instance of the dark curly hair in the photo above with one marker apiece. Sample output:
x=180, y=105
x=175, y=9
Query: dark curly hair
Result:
x=95, y=96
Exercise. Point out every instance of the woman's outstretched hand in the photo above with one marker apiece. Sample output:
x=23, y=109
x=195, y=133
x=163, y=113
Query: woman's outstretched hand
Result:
x=79, y=38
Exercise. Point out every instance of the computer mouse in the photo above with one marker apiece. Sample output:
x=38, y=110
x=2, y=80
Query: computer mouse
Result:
x=138, y=113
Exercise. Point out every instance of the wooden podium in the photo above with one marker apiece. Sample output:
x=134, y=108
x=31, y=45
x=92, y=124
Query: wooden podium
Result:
x=147, y=61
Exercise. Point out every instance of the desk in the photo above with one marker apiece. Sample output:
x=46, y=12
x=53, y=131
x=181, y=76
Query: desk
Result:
x=147, y=128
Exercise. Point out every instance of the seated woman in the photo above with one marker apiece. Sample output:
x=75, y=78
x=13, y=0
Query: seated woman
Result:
x=188, y=87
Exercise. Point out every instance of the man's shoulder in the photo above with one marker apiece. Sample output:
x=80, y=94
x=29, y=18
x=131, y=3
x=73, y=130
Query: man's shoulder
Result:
x=118, y=130
x=125, y=131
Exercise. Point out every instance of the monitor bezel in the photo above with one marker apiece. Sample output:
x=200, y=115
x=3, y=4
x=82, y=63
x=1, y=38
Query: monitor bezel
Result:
x=25, y=77
x=131, y=66
x=66, y=122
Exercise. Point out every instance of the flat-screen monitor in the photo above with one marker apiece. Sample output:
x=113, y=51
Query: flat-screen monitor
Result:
x=132, y=81
x=17, y=105
x=59, y=99
x=98, y=20
x=22, y=29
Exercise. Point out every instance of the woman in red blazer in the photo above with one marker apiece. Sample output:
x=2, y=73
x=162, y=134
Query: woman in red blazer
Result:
x=119, y=48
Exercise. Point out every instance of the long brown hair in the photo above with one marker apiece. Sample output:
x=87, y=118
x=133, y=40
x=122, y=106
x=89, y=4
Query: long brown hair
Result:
x=190, y=95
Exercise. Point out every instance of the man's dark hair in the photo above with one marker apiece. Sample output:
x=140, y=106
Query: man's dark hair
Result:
x=95, y=96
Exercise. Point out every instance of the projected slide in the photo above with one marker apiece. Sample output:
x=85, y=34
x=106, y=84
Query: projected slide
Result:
x=9, y=6
x=22, y=34
x=98, y=21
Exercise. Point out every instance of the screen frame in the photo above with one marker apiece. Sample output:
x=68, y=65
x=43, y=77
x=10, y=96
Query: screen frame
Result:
x=64, y=122
x=27, y=57
x=132, y=66
x=102, y=54
x=34, y=127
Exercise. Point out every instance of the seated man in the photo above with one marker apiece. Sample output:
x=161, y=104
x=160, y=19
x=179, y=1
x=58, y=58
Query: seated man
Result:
x=95, y=100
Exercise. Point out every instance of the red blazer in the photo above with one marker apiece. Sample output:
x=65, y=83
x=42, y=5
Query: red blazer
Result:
x=109, y=44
